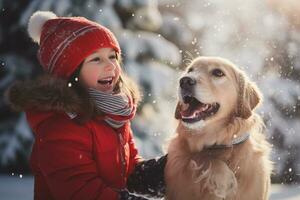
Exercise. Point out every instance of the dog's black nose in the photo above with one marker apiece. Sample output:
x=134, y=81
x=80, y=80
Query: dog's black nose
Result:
x=187, y=82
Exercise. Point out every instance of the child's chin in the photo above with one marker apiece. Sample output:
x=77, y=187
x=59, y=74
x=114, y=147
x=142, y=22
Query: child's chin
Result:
x=105, y=89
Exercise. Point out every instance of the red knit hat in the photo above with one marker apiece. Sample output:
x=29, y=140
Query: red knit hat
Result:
x=66, y=41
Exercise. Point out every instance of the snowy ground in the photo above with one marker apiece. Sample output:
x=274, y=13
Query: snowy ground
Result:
x=16, y=188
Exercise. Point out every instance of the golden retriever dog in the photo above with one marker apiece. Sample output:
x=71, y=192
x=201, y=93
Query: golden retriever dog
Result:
x=219, y=151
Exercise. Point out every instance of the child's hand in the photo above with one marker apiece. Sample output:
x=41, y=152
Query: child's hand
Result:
x=148, y=178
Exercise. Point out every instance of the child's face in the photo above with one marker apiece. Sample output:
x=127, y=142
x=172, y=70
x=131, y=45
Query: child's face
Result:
x=101, y=70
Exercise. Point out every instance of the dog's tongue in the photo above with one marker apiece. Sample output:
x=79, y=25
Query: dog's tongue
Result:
x=188, y=110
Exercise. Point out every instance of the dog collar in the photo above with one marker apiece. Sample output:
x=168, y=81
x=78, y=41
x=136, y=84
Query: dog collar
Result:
x=235, y=141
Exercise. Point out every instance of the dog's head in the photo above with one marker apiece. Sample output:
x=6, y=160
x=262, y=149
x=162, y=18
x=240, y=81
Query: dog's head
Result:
x=214, y=89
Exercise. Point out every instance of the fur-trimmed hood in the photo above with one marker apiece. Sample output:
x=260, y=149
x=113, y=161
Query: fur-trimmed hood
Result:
x=49, y=94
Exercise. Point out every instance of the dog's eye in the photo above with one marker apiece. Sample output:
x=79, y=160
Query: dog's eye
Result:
x=190, y=70
x=217, y=73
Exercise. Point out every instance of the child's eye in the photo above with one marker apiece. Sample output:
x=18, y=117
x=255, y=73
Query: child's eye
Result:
x=97, y=59
x=112, y=57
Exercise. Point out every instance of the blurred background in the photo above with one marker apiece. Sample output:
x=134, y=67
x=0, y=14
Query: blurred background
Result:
x=158, y=40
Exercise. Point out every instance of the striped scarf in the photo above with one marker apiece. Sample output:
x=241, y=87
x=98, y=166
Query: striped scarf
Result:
x=118, y=108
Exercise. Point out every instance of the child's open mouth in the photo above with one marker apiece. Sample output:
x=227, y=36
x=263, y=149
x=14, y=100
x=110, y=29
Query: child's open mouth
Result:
x=106, y=81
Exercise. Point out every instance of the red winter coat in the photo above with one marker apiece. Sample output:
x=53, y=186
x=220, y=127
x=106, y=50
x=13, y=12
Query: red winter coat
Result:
x=86, y=161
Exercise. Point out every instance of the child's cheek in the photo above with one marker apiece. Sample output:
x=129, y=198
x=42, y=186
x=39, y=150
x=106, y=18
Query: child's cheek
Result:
x=89, y=79
x=118, y=70
x=118, y=73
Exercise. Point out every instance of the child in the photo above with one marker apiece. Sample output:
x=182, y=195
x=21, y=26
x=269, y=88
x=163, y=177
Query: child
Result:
x=80, y=113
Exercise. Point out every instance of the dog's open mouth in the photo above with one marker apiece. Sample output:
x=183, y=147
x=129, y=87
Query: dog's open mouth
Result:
x=193, y=110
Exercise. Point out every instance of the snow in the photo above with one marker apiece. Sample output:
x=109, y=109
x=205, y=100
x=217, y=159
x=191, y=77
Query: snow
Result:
x=233, y=31
x=13, y=187
x=172, y=28
x=12, y=141
x=285, y=192
x=284, y=92
x=12, y=145
x=150, y=44
x=157, y=106
x=133, y=4
x=156, y=39
x=146, y=18
x=108, y=17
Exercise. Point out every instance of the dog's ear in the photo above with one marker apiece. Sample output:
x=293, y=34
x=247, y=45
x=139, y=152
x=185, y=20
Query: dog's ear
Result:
x=249, y=98
x=177, y=111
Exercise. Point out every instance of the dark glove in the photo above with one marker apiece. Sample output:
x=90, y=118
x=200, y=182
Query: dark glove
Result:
x=125, y=195
x=148, y=178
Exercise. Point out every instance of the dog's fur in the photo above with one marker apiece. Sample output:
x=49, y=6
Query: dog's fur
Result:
x=241, y=172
